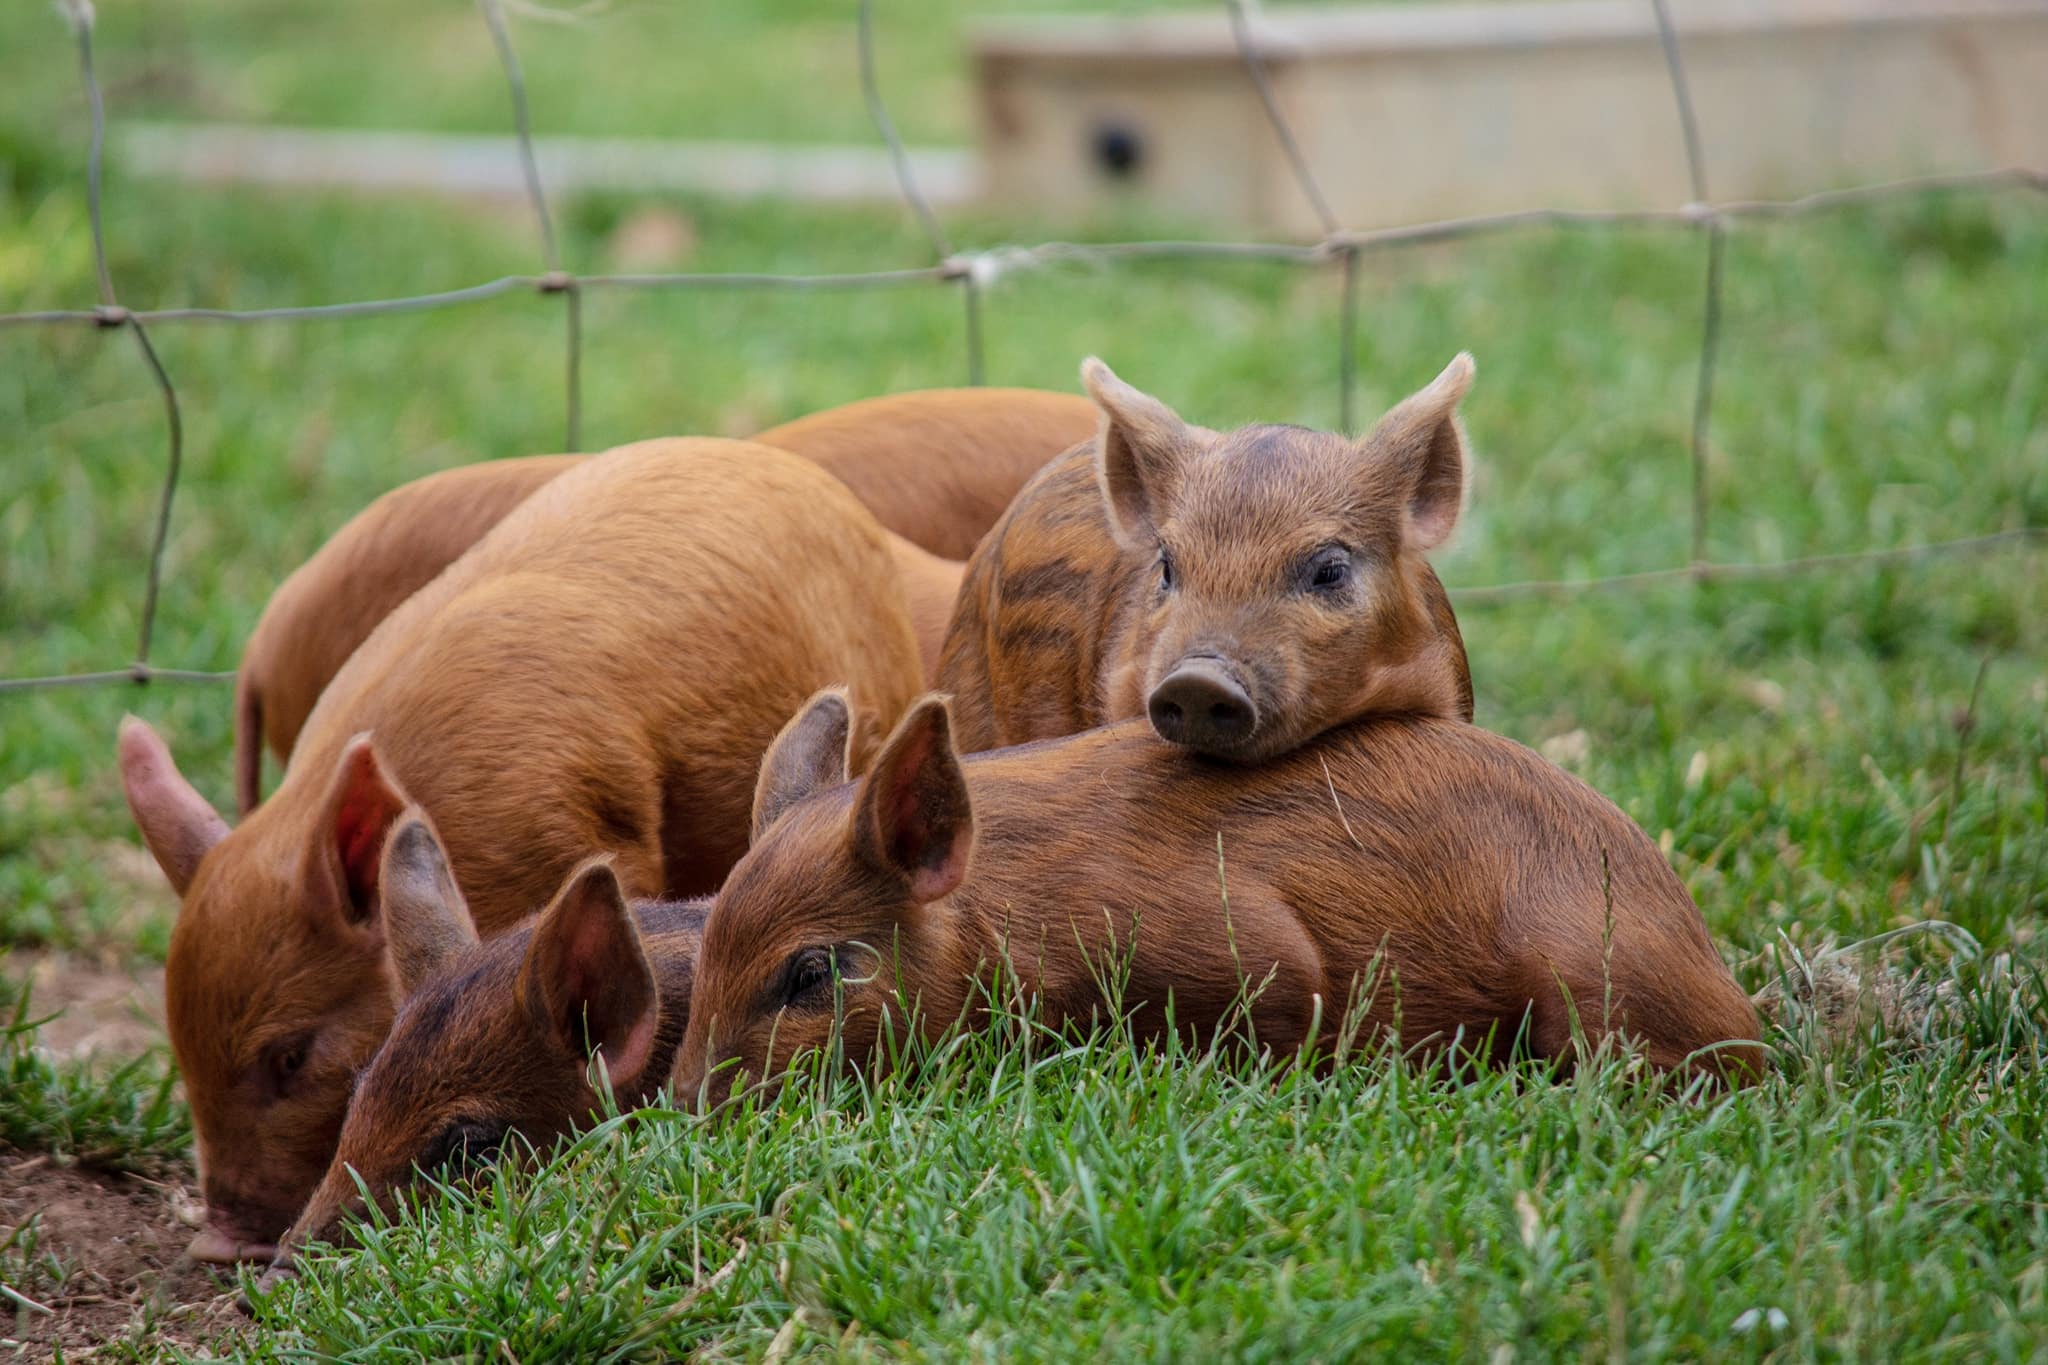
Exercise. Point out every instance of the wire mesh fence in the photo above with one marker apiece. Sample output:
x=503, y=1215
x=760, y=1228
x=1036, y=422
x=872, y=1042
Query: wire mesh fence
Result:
x=972, y=272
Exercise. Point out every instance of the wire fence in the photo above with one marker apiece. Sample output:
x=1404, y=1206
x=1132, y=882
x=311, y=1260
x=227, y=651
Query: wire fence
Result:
x=973, y=271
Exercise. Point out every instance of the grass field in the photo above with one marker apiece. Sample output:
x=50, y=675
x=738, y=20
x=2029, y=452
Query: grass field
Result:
x=1824, y=758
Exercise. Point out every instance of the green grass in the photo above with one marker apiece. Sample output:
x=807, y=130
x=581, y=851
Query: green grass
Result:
x=1817, y=755
x=1029, y=1197
x=26, y=1267
x=1884, y=382
x=118, y=1117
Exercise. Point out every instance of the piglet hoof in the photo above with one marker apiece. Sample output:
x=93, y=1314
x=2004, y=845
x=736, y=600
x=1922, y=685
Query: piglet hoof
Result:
x=278, y=1273
x=214, y=1247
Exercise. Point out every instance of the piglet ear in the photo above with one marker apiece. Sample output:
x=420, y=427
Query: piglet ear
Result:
x=809, y=755
x=362, y=806
x=913, y=818
x=426, y=923
x=586, y=978
x=176, y=821
x=1421, y=443
x=1138, y=456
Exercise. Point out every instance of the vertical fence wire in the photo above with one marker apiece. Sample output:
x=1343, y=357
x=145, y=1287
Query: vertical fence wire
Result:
x=1346, y=252
x=80, y=15
x=1710, y=307
x=970, y=294
x=974, y=272
x=1254, y=61
x=557, y=280
x=112, y=315
x=913, y=193
x=1347, y=344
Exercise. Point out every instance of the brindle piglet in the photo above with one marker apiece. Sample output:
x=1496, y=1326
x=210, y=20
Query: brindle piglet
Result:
x=937, y=467
x=1246, y=590
x=600, y=674
x=497, y=1038
x=1473, y=883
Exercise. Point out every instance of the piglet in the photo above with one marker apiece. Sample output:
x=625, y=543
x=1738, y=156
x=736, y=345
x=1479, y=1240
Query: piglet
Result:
x=1416, y=878
x=935, y=466
x=506, y=1037
x=599, y=675
x=1245, y=590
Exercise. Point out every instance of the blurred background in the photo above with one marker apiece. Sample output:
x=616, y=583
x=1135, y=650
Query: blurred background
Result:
x=1835, y=751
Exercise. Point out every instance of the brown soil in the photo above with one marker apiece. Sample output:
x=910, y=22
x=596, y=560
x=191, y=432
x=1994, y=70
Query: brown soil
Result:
x=105, y=1007
x=108, y=1264
x=104, y=1254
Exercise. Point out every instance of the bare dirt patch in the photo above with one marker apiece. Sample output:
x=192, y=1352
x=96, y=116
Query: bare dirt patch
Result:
x=105, y=1006
x=101, y=1259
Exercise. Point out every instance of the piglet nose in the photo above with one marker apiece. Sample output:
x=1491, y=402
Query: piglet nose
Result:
x=1201, y=705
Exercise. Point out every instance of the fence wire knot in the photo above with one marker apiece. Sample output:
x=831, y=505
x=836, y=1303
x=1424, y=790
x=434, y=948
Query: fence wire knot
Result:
x=981, y=269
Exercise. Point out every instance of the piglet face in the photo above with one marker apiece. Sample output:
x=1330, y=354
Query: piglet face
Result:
x=462, y=1069
x=276, y=988
x=493, y=1039
x=1277, y=576
x=836, y=917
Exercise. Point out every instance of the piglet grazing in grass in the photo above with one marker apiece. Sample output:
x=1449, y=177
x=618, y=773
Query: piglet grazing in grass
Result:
x=599, y=675
x=936, y=467
x=1472, y=893
x=1246, y=590
x=498, y=1038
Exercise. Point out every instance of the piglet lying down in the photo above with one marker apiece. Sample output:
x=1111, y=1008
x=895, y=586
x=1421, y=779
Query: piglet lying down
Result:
x=497, y=1037
x=1491, y=892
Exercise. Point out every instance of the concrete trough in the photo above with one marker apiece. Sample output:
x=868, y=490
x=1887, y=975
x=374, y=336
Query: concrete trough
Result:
x=1417, y=113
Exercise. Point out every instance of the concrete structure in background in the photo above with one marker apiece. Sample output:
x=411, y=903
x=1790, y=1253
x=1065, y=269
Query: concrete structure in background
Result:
x=488, y=166
x=1419, y=113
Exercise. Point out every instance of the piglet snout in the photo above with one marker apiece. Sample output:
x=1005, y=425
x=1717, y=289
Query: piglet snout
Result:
x=1201, y=705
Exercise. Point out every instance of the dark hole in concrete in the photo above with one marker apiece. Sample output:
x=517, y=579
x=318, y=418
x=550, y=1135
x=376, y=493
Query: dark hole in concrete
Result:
x=1119, y=150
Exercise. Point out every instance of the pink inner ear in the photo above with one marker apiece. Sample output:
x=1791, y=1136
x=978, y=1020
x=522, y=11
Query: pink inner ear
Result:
x=600, y=985
x=1431, y=526
x=625, y=1060
x=1439, y=495
x=906, y=832
x=931, y=881
x=922, y=840
x=361, y=820
x=359, y=837
x=590, y=951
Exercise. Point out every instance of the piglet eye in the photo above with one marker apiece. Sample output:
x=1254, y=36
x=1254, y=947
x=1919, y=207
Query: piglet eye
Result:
x=1165, y=570
x=1330, y=570
x=463, y=1144
x=287, y=1059
x=807, y=976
